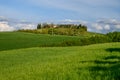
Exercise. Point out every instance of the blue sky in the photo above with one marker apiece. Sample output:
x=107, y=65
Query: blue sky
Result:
x=88, y=11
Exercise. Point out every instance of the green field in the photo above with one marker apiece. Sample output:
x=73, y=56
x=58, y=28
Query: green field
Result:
x=18, y=40
x=22, y=58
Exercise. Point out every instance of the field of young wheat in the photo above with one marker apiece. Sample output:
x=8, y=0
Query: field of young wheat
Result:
x=27, y=56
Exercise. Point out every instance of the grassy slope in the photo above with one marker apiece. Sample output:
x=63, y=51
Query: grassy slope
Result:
x=17, y=40
x=93, y=62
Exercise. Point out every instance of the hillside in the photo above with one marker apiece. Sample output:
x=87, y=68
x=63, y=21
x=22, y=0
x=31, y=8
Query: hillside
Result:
x=17, y=40
x=93, y=62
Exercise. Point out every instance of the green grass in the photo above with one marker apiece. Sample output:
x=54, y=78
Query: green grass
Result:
x=93, y=62
x=17, y=40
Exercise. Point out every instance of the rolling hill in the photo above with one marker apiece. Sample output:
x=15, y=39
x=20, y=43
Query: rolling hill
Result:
x=23, y=57
x=17, y=40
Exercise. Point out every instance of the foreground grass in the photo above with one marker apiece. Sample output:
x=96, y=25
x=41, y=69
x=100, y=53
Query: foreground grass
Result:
x=93, y=62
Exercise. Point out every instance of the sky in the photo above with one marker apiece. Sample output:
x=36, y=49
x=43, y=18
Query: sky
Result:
x=99, y=15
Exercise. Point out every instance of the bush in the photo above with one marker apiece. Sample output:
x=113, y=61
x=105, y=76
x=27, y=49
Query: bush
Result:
x=114, y=36
x=95, y=39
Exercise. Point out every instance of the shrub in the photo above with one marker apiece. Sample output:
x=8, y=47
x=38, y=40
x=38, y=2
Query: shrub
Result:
x=94, y=40
x=114, y=36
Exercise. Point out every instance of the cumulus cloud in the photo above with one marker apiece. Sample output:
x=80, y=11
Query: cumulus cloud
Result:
x=5, y=27
x=7, y=24
x=107, y=27
x=97, y=26
x=25, y=26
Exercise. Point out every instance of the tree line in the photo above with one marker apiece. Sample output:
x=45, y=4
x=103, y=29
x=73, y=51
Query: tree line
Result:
x=72, y=26
x=62, y=29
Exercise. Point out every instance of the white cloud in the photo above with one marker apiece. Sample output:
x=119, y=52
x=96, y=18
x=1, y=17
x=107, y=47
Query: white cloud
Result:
x=8, y=24
x=25, y=26
x=107, y=27
x=117, y=26
x=5, y=27
x=97, y=26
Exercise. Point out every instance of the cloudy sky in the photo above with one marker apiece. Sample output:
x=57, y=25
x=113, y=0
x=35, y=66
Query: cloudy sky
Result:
x=99, y=15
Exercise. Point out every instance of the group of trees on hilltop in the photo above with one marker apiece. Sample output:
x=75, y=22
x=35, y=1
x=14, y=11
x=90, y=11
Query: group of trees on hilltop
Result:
x=72, y=26
x=45, y=25
x=62, y=29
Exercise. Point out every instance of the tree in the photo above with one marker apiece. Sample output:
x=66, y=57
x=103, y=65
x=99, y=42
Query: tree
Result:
x=39, y=26
x=82, y=27
x=79, y=26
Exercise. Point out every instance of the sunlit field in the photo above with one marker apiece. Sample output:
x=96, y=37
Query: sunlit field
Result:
x=93, y=62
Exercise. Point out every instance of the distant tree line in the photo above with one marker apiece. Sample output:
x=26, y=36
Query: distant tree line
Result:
x=72, y=26
x=61, y=29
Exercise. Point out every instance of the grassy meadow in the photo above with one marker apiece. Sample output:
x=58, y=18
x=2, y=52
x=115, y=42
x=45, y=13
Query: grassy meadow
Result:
x=18, y=40
x=22, y=58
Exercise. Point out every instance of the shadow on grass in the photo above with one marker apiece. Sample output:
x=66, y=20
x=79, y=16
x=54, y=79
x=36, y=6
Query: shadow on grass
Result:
x=106, y=69
x=112, y=57
x=14, y=47
x=100, y=62
x=113, y=49
x=112, y=71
